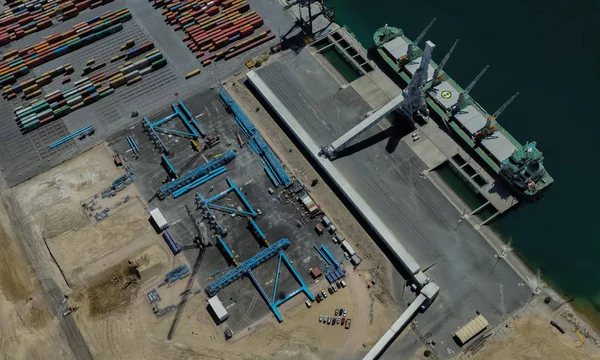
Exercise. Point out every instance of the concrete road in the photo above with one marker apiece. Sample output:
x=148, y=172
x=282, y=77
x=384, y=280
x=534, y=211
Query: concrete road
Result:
x=386, y=173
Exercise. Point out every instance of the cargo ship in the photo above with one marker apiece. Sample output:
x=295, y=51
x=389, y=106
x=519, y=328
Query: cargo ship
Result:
x=520, y=166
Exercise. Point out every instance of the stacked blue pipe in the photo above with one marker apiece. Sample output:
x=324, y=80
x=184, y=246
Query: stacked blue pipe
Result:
x=273, y=167
x=175, y=248
x=85, y=130
x=195, y=174
x=133, y=144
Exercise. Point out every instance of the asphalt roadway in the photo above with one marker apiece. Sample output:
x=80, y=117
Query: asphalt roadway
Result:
x=386, y=173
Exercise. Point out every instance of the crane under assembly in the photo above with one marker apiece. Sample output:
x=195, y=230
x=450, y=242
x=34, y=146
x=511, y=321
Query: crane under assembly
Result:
x=490, y=127
x=410, y=101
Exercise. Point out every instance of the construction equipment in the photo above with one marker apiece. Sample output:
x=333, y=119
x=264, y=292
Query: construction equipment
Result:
x=249, y=64
x=194, y=145
x=490, y=127
x=437, y=73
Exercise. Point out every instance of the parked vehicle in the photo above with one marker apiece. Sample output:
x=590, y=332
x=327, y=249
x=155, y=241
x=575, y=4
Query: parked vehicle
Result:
x=334, y=289
x=320, y=318
x=328, y=320
x=330, y=290
x=324, y=293
x=308, y=303
x=348, y=323
x=318, y=298
x=343, y=283
x=339, y=286
x=345, y=312
x=339, y=320
x=343, y=320
x=337, y=311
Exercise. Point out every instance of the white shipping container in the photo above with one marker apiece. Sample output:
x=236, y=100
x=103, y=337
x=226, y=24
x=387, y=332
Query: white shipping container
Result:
x=159, y=219
x=347, y=248
x=218, y=308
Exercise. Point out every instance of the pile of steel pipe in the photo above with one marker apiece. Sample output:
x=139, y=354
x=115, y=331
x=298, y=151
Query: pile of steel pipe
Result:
x=85, y=131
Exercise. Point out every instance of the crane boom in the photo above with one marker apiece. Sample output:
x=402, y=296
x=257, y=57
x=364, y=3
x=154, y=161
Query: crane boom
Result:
x=465, y=92
x=504, y=106
x=411, y=46
x=437, y=79
x=489, y=128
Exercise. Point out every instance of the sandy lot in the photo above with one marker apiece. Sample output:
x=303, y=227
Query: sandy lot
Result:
x=529, y=335
x=27, y=327
x=89, y=250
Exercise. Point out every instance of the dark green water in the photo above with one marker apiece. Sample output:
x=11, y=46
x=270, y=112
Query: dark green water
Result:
x=548, y=51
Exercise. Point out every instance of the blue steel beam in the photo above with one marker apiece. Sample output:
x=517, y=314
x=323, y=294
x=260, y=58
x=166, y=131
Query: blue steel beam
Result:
x=174, y=132
x=333, y=260
x=240, y=194
x=71, y=136
x=323, y=255
x=265, y=297
x=303, y=287
x=211, y=175
x=194, y=122
x=259, y=232
x=227, y=250
x=155, y=137
x=228, y=209
x=277, y=276
x=163, y=120
x=185, y=121
x=137, y=149
x=195, y=174
x=234, y=274
x=170, y=169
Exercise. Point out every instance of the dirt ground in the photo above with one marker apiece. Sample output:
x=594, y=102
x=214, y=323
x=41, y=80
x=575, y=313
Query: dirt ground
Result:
x=114, y=316
x=27, y=327
x=529, y=335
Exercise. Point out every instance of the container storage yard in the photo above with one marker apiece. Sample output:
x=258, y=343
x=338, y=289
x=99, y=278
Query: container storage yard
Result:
x=160, y=199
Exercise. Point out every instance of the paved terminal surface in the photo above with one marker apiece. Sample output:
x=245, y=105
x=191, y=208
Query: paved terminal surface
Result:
x=383, y=168
x=24, y=156
x=279, y=217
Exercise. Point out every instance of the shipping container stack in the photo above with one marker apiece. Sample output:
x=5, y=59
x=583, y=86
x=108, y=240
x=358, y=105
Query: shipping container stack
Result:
x=31, y=87
x=86, y=91
x=17, y=63
x=222, y=28
x=20, y=18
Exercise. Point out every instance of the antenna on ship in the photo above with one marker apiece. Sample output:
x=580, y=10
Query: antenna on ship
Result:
x=463, y=95
x=437, y=74
x=489, y=128
x=411, y=45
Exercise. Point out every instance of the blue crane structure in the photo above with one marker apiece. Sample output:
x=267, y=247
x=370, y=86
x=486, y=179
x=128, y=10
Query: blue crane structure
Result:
x=168, y=167
x=194, y=174
x=211, y=175
x=272, y=166
x=271, y=302
x=132, y=144
x=230, y=258
x=323, y=256
x=243, y=269
x=249, y=212
x=179, y=111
